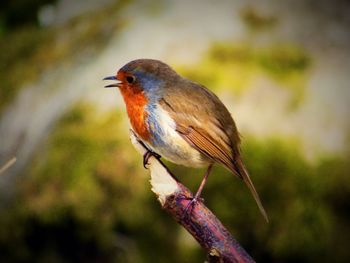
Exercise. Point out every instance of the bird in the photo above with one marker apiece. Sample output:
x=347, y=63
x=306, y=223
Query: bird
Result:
x=180, y=120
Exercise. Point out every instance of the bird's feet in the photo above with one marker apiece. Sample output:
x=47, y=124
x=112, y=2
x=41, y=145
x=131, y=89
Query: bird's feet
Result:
x=147, y=155
x=189, y=207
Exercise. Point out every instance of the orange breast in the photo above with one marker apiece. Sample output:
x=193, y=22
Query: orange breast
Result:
x=135, y=102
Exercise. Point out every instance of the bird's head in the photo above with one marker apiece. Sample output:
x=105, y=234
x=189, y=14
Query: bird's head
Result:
x=148, y=76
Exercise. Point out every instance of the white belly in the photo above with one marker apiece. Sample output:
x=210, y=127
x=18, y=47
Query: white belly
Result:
x=169, y=143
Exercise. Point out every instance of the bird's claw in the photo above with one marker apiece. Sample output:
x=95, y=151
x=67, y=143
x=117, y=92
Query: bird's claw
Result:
x=189, y=207
x=147, y=155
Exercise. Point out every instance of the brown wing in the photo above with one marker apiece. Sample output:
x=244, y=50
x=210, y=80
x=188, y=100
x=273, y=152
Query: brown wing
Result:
x=204, y=122
x=203, y=142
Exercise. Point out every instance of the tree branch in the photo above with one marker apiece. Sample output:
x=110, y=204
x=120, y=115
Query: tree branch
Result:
x=198, y=220
x=7, y=165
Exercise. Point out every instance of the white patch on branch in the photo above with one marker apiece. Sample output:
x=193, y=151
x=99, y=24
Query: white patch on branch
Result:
x=163, y=184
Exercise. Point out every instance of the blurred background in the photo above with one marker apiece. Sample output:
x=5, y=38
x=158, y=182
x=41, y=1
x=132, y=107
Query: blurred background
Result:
x=78, y=191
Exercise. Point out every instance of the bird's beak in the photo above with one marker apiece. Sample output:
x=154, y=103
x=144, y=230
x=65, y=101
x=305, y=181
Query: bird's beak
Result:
x=111, y=85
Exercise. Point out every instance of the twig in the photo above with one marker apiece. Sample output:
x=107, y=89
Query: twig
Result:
x=199, y=221
x=8, y=165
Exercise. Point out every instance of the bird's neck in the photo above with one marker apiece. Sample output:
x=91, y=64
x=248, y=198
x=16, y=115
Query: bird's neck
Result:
x=136, y=102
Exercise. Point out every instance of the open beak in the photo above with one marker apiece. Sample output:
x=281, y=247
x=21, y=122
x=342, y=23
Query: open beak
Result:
x=111, y=85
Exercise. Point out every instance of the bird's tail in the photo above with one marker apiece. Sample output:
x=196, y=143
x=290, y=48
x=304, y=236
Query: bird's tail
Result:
x=243, y=173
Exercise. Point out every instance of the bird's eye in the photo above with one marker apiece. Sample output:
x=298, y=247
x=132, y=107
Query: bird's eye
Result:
x=130, y=79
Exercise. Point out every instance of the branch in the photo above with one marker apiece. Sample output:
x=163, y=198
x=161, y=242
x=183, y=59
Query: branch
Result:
x=199, y=221
x=7, y=165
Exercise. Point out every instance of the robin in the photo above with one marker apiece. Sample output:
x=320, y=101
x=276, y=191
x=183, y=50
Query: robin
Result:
x=180, y=120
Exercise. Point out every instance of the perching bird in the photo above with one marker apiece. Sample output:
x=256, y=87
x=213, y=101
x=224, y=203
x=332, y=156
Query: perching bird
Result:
x=180, y=120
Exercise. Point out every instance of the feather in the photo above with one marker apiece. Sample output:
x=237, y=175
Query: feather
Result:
x=246, y=178
x=199, y=139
